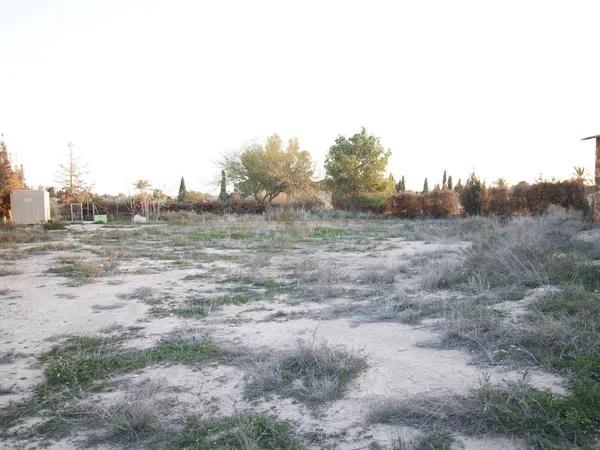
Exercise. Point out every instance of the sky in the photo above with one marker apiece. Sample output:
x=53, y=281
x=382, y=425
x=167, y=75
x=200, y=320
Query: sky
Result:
x=162, y=89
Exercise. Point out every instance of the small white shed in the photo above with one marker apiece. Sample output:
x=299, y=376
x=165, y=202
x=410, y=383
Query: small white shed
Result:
x=29, y=206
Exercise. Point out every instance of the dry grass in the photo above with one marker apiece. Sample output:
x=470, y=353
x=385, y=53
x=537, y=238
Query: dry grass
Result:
x=312, y=372
x=79, y=272
x=545, y=420
x=531, y=251
x=14, y=235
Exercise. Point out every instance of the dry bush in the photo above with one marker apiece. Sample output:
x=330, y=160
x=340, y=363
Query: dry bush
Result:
x=437, y=204
x=439, y=273
x=535, y=199
x=408, y=205
x=567, y=194
x=441, y=203
x=498, y=202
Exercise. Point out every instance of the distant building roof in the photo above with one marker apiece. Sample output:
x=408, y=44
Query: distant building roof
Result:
x=591, y=137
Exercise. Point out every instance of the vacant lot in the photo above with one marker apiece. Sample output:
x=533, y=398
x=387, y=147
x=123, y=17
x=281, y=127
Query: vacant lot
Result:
x=310, y=332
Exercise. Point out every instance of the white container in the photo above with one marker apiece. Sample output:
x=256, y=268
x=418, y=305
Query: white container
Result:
x=29, y=206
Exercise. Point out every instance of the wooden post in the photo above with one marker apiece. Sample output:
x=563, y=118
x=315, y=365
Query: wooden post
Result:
x=597, y=186
x=596, y=179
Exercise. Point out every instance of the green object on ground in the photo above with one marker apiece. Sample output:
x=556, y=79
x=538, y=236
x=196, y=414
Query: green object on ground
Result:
x=100, y=218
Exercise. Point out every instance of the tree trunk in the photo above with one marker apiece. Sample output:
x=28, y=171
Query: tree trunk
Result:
x=268, y=211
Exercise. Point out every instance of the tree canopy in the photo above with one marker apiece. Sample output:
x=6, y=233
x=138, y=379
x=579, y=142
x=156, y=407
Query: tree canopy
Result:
x=266, y=171
x=356, y=166
x=11, y=177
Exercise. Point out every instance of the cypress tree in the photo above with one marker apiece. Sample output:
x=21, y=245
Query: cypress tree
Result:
x=182, y=195
x=425, y=186
x=444, y=181
x=459, y=187
x=223, y=194
x=449, y=186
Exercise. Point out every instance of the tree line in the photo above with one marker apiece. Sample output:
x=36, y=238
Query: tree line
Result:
x=355, y=176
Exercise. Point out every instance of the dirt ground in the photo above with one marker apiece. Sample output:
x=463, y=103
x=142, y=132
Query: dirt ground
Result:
x=327, y=280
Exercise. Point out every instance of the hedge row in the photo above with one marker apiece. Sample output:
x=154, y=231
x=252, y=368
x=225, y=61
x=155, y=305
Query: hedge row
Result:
x=436, y=204
x=126, y=208
x=521, y=199
x=525, y=198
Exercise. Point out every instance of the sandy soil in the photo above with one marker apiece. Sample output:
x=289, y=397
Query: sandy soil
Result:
x=39, y=310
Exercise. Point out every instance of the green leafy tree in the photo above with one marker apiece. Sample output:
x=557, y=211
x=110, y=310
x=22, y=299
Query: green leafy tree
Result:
x=472, y=195
x=356, y=166
x=11, y=177
x=266, y=171
x=223, y=196
x=390, y=184
x=182, y=195
x=425, y=186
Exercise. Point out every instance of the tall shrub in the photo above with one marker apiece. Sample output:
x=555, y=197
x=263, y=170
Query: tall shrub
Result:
x=441, y=203
x=408, y=205
x=472, y=195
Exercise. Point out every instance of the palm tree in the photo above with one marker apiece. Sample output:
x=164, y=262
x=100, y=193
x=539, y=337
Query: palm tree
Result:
x=501, y=183
x=142, y=186
x=580, y=174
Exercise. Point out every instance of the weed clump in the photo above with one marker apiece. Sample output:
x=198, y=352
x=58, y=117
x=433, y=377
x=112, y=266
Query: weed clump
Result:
x=82, y=361
x=55, y=225
x=247, y=430
x=311, y=372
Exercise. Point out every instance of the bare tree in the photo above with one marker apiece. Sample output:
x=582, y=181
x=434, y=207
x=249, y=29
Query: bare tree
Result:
x=70, y=176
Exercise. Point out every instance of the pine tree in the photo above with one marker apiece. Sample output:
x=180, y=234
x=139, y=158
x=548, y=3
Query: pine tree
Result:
x=444, y=180
x=223, y=196
x=449, y=185
x=182, y=195
x=472, y=195
x=425, y=186
x=403, y=184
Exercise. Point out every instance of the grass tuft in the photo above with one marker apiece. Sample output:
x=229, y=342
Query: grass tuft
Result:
x=247, y=431
x=311, y=372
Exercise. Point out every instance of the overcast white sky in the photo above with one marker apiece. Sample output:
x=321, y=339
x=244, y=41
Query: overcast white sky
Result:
x=160, y=89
